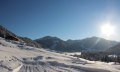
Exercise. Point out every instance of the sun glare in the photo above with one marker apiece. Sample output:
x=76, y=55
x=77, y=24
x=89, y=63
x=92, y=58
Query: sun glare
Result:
x=107, y=29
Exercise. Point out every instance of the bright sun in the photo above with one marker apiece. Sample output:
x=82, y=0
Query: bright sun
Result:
x=107, y=29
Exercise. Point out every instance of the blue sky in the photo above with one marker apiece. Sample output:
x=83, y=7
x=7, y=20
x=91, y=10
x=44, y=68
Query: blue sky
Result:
x=66, y=19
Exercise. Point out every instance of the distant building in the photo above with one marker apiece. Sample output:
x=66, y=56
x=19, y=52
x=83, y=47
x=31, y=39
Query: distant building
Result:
x=113, y=56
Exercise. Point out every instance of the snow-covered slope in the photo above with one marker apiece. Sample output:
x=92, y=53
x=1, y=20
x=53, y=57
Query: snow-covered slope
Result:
x=15, y=58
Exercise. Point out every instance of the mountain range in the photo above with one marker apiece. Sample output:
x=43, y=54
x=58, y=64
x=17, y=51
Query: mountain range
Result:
x=87, y=44
x=57, y=44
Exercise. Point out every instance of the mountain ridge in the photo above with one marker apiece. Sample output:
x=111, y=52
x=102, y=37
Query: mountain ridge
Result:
x=57, y=44
x=90, y=43
x=115, y=49
x=7, y=34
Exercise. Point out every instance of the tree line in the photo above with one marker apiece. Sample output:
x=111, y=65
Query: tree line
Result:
x=100, y=56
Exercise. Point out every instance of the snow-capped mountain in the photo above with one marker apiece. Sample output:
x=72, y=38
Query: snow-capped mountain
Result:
x=87, y=44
